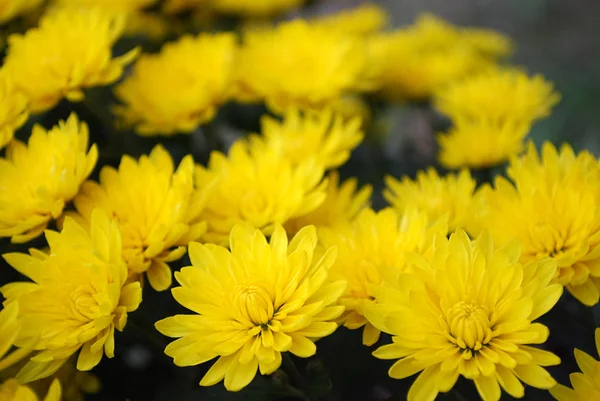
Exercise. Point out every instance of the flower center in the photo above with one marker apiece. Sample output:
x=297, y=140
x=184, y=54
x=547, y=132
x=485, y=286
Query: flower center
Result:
x=469, y=325
x=83, y=303
x=253, y=303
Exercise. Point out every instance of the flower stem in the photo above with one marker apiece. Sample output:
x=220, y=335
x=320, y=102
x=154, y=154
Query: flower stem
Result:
x=294, y=373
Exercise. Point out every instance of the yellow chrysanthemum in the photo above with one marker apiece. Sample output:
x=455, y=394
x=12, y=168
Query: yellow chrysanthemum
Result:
x=77, y=299
x=10, y=9
x=13, y=109
x=365, y=19
x=255, y=8
x=323, y=135
x=177, y=6
x=301, y=65
x=586, y=384
x=46, y=70
x=181, y=87
x=11, y=390
x=341, y=205
x=156, y=208
x=553, y=207
x=125, y=6
x=257, y=188
x=38, y=179
x=450, y=196
x=253, y=303
x=487, y=42
x=468, y=309
x=352, y=106
x=374, y=240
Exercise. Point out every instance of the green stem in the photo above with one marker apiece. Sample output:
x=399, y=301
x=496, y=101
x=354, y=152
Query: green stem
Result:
x=294, y=373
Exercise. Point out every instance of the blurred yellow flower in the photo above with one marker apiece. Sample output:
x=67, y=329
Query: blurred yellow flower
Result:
x=487, y=42
x=177, y=6
x=351, y=106
x=372, y=241
x=10, y=9
x=258, y=188
x=450, y=196
x=156, y=208
x=301, y=65
x=13, y=109
x=468, y=309
x=365, y=19
x=253, y=303
x=553, y=206
x=38, y=179
x=255, y=8
x=322, y=135
x=78, y=297
x=181, y=87
x=46, y=70
x=11, y=390
x=341, y=205
x=586, y=384
x=125, y=6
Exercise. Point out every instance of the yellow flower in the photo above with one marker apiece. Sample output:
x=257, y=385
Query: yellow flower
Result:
x=13, y=109
x=181, y=87
x=450, y=196
x=46, y=70
x=257, y=188
x=177, y=6
x=125, y=6
x=553, y=207
x=11, y=390
x=156, y=208
x=301, y=65
x=252, y=303
x=352, y=106
x=372, y=241
x=10, y=9
x=9, y=329
x=365, y=19
x=38, y=179
x=78, y=297
x=255, y=8
x=486, y=42
x=586, y=385
x=469, y=310
x=341, y=205
x=323, y=135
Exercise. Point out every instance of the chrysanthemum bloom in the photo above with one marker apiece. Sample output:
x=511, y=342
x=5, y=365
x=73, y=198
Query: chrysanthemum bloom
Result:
x=126, y=6
x=11, y=390
x=284, y=67
x=252, y=303
x=13, y=109
x=179, y=88
x=156, y=208
x=78, y=297
x=450, y=196
x=586, y=384
x=46, y=70
x=553, y=207
x=38, y=179
x=258, y=188
x=492, y=114
x=255, y=8
x=341, y=205
x=10, y=9
x=374, y=240
x=468, y=309
x=323, y=135
x=365, y=19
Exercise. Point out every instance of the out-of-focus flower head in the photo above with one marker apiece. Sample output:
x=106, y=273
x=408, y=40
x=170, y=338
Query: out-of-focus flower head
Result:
x=177, y=6
x=299, y=64
x=371, y=241
x=257, y=188
x=10, y=9
x=467, y=309
x=11, y=390
x=156, y=207
x=365, y=19
x=492, y=114
x=552, y=205
x=46, y=70
x=37, y=179
x=13, y=109
x=113, y=6
x=181, y=87
x=586, y=384
x=450, y=196
x=77, y=298
x=252, y=304
x=323, y=135
x=254, y=8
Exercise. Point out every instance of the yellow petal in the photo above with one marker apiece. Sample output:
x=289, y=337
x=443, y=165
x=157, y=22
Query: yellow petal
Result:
x=424, y=389
x=535, y=376
x=159, y=275
x=240, y=375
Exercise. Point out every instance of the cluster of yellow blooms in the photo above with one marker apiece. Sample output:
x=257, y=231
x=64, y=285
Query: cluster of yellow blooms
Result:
x=283, y=251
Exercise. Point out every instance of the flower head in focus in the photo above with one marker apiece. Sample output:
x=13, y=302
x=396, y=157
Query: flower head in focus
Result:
x=370, y=242
x=323, y=135
x=450, y=196
x=156, y=207
x=552, y=205
x=13, y=109
x=10, y=9
x=468, y=309
x=37, y=179
x=46, y=71
x=365, y=19
x=254, y=8
x=252, y=303
x=179, y=88
x=298, y=64
x=257, y=187
x=586, y=384
x=77, y=298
